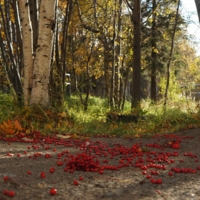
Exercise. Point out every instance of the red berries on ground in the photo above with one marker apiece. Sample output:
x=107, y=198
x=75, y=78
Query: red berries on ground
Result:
x=53, y=191
x=9, y=193
x=51, y=170
x=159, y=181
x=5, y=178
x=42, y=175
x=76, y=182
x=29, y=172
x=5, y=192
x=156, y=181
x=170, y=173
x=148, y=176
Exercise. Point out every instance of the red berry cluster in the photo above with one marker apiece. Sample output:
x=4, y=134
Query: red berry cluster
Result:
x=83, y=162
x=9, y=193
x=183, y=170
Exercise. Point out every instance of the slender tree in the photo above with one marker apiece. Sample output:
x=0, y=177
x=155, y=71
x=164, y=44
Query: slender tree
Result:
x=153, y=52
x=170, y=55
x=136, y=77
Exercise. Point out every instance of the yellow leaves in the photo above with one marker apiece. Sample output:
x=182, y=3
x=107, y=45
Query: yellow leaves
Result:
x=137, y=135
x=155, y=50
x=62, y=114
x=3, y=35
x=48, y=127
x=10, y=128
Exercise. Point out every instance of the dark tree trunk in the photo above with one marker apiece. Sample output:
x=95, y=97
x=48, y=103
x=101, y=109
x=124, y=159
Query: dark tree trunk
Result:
x=153, y=53
x=34, y=20
x=197, y=2
x=136, y=78
x=67, y=18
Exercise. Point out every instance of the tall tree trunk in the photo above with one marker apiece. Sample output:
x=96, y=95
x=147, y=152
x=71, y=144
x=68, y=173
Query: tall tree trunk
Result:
x=41, y=67
x=170, y=56
x=113, y=73
x=18, y=37
x=56, y=87
x=117, y=92
x=153, y=52
x=66, y=22
x=136, y=78
x=27, y=48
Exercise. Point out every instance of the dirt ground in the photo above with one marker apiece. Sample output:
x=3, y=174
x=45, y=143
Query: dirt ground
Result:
x=124, y=168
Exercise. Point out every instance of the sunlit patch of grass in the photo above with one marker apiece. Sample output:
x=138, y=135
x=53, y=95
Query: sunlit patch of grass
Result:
x=74, y=119
x=178, y=116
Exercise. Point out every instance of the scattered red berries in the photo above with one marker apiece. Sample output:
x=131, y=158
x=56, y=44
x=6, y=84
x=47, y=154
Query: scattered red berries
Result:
x=92, y=158
x=159, y=181
x=5, y=192
x=144, y=172
x=42, y=175
x=170, y=173
x=101, y=171
x=51, y=170
x=148, y=176
x=53, y=191
x=29, y=172
x=9, y=193
x=5, y=178
x=75, y=182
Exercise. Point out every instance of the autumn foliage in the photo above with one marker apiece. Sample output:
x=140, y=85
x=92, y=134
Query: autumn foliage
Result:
x=11, y=128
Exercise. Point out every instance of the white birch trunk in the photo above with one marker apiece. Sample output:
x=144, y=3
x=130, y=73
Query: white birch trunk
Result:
x=41, y=66
x=27, y=48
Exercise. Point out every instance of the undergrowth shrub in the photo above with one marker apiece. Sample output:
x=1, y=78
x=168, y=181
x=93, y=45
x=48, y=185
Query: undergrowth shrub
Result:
x=6, y=106
x=74, y=119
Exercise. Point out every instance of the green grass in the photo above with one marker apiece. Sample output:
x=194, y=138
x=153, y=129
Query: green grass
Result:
x=6, y=106
x=179, y=115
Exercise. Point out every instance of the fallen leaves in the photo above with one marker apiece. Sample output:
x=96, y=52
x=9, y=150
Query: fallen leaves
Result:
x=10, y=128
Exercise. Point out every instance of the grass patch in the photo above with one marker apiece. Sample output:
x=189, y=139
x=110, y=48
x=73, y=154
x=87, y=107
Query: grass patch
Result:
x=74, y=119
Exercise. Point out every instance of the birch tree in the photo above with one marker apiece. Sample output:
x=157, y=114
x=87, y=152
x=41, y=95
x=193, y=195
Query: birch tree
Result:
x=27, y=48
x=37, y=65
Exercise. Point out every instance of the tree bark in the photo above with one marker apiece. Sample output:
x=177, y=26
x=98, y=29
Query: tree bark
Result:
x=136, y=78
x=27, y=49
x=117, y=91
x=33, y=7
x=153, y=52
x=41, y=67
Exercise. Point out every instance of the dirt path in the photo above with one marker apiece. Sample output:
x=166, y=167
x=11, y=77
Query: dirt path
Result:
x=122, y=167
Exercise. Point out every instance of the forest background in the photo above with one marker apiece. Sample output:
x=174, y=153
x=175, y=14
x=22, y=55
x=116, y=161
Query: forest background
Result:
x=93, y=67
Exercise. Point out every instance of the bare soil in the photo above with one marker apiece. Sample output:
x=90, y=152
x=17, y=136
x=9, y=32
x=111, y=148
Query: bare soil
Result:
x=128, y=182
